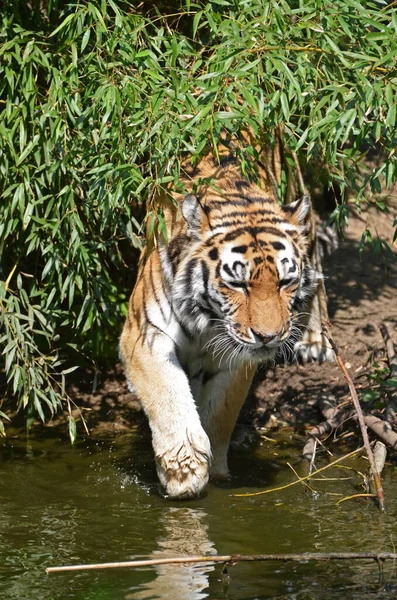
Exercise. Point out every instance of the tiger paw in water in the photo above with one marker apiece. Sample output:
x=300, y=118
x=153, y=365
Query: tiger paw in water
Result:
x=184, y=470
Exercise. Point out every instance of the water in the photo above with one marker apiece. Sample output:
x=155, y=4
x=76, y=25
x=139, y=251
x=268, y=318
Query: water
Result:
x=99, y=502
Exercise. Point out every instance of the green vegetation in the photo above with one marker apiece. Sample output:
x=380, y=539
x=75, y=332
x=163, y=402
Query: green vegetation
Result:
x=100, y=101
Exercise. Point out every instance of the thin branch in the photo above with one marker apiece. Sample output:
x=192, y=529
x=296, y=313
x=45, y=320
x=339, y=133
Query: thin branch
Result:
x=356, y=496
x=382, y=429
x=299, y=175
x=333, y=416
x=229, y=558
x=300, y=479
x=360, y=416
x=283, y=487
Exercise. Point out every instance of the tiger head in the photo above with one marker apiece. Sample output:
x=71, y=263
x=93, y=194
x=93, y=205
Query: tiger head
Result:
x=244, y=274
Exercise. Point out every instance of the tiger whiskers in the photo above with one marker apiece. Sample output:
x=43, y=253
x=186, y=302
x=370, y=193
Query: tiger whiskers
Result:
x=301, y=314
x=222, y=345
x=296, y=322
x=216, y=340
x=224, y=348
x=219, y=344
x=287, y=347
x=234, y=355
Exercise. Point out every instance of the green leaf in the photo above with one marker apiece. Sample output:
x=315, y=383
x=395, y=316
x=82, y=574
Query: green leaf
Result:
x=38, y=407
x=284, y=106
x=370, y=395
x=70, y=370
x=85, y=40
x=4, y=416
x=63, y=24
x=10, y=358
x=390, y=383
x=28, y=150
x=391, y=116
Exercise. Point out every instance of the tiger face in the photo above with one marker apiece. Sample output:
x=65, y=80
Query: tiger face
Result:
x=255, y=288
x=243, y=286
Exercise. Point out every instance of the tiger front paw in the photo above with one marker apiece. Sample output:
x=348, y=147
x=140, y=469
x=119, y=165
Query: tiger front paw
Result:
x=184, y=470
x=314, y=347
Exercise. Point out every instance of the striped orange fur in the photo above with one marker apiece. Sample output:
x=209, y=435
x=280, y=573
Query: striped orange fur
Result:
x=222, y=294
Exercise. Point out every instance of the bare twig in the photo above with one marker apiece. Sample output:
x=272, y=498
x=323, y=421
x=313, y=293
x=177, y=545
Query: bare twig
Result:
x=300, y=479
x=230, y=558
x=299, y=174
x=356, y=496
x=283, y=487
x=360, y=416
x=333, y=415
x=380, y=427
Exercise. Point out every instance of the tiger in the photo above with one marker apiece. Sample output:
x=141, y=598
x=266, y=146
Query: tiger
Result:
x=221, y=292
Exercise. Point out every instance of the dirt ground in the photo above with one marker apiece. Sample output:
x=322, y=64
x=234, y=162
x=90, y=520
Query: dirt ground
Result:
x=361, y=294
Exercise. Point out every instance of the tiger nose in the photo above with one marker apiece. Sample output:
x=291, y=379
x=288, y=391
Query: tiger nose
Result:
x=262, y=338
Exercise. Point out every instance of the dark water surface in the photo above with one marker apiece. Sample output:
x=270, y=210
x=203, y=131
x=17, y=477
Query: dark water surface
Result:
x=99, y=502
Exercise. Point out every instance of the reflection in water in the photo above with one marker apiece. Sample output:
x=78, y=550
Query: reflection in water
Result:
x=68, y=505
x=185, y=533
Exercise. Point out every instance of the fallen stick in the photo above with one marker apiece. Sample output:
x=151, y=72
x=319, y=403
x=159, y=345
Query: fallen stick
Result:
x=334, y=416
x=356, y=496
x=380, y=454
x=229, y=558
x=360, y=416
x=382, y=429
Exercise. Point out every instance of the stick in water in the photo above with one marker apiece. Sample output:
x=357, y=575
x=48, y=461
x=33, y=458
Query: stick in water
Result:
x=230, y=558
x=360, y=416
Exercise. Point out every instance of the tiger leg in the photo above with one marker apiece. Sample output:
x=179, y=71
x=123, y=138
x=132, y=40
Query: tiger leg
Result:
x=181, y=446
x=221, y=402
x=314, y=345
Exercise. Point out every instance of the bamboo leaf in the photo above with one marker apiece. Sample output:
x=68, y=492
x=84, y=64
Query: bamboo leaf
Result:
x=28, y=150
x=63, y=24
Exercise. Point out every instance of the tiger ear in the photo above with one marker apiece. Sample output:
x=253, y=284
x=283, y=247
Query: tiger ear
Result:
x=193, y=214
x=298, y=211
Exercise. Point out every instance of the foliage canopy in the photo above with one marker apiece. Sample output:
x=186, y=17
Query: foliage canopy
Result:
x=99, y=103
